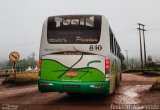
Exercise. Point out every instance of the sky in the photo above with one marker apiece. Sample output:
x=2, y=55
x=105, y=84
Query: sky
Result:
x=21, y=23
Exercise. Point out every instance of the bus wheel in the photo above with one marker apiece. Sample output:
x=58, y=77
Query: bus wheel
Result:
x=74, y=94
x=116, y=85
x=121, y=76
x=69, y=93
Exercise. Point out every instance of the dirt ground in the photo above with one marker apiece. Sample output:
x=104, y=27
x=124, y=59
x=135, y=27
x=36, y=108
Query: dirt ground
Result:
x=134, y=89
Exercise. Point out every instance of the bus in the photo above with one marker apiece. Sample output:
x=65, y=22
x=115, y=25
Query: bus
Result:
x=79, y=54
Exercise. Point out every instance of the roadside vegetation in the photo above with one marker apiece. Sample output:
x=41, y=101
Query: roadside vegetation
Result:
x=23, y=75
x=21, y=65
x=4, y=74
x=150, y=68
x=156, y=85
x=29, y=77
x=151, y=73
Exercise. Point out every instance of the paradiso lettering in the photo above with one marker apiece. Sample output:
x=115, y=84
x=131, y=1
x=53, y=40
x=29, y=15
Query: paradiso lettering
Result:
x=82, y=21
x=79, y=39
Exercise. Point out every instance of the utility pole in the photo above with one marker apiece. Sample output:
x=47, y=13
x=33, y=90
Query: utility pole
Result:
x=132, y=60
x=140, y=45
x=127, y=56
x=144, y=45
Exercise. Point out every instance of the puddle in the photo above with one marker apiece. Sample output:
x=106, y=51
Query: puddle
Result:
x=132, y=91
x=130, y=94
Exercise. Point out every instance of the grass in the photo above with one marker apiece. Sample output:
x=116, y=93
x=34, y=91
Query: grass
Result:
x=4, y=74
x=151, y=73
x=22, y=78
x=141, y=70
x=156, y=85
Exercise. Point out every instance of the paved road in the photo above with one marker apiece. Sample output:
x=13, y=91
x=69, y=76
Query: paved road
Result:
x=28, y=97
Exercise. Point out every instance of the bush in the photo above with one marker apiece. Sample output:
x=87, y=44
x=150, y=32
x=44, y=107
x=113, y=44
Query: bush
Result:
x=152, y=66
x=156, y=85
x=4, y=74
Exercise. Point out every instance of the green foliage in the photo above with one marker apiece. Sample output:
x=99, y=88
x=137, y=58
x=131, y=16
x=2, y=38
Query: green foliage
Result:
x=31, y=61
x=22, y=64
x=123, y=66
x=152, y=66
x=4, y=74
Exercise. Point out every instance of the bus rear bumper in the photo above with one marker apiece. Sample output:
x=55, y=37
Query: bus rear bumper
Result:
x=74, y=87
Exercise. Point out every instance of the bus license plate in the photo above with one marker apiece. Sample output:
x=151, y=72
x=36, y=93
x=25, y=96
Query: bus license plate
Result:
x=71, y=73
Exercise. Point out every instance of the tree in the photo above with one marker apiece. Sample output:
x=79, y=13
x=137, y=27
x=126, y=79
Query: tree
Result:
x=22, y=64
x=31, y=60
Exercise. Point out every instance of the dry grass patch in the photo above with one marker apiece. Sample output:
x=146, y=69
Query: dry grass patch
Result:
x=22, y=77
x=156, y=85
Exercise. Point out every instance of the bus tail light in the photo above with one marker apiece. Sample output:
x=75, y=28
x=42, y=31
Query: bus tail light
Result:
x=39, y=63
x=39, y=66
x=107, y=64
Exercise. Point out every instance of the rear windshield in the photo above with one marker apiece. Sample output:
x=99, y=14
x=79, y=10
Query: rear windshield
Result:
x=74, y=29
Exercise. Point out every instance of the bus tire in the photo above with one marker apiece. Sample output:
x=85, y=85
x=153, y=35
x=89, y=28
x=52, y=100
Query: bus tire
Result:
x=69, y=93
x=120, y=76
x=116, y=85
x=74, y=94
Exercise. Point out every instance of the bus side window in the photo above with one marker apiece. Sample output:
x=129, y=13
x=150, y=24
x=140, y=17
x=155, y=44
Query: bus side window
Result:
x=115, y=47
x=111, y=41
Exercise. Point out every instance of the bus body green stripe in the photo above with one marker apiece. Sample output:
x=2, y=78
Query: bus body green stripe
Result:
x=53, y=70
x=74, y=87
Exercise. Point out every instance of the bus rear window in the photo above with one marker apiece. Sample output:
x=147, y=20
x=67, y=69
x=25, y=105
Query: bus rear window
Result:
x=74, y=29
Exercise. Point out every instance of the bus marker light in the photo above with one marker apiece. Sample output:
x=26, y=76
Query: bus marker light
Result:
x=46, y=84
x=107, y=75
x=50, y=84
x=92, y=86
x=97, y=86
